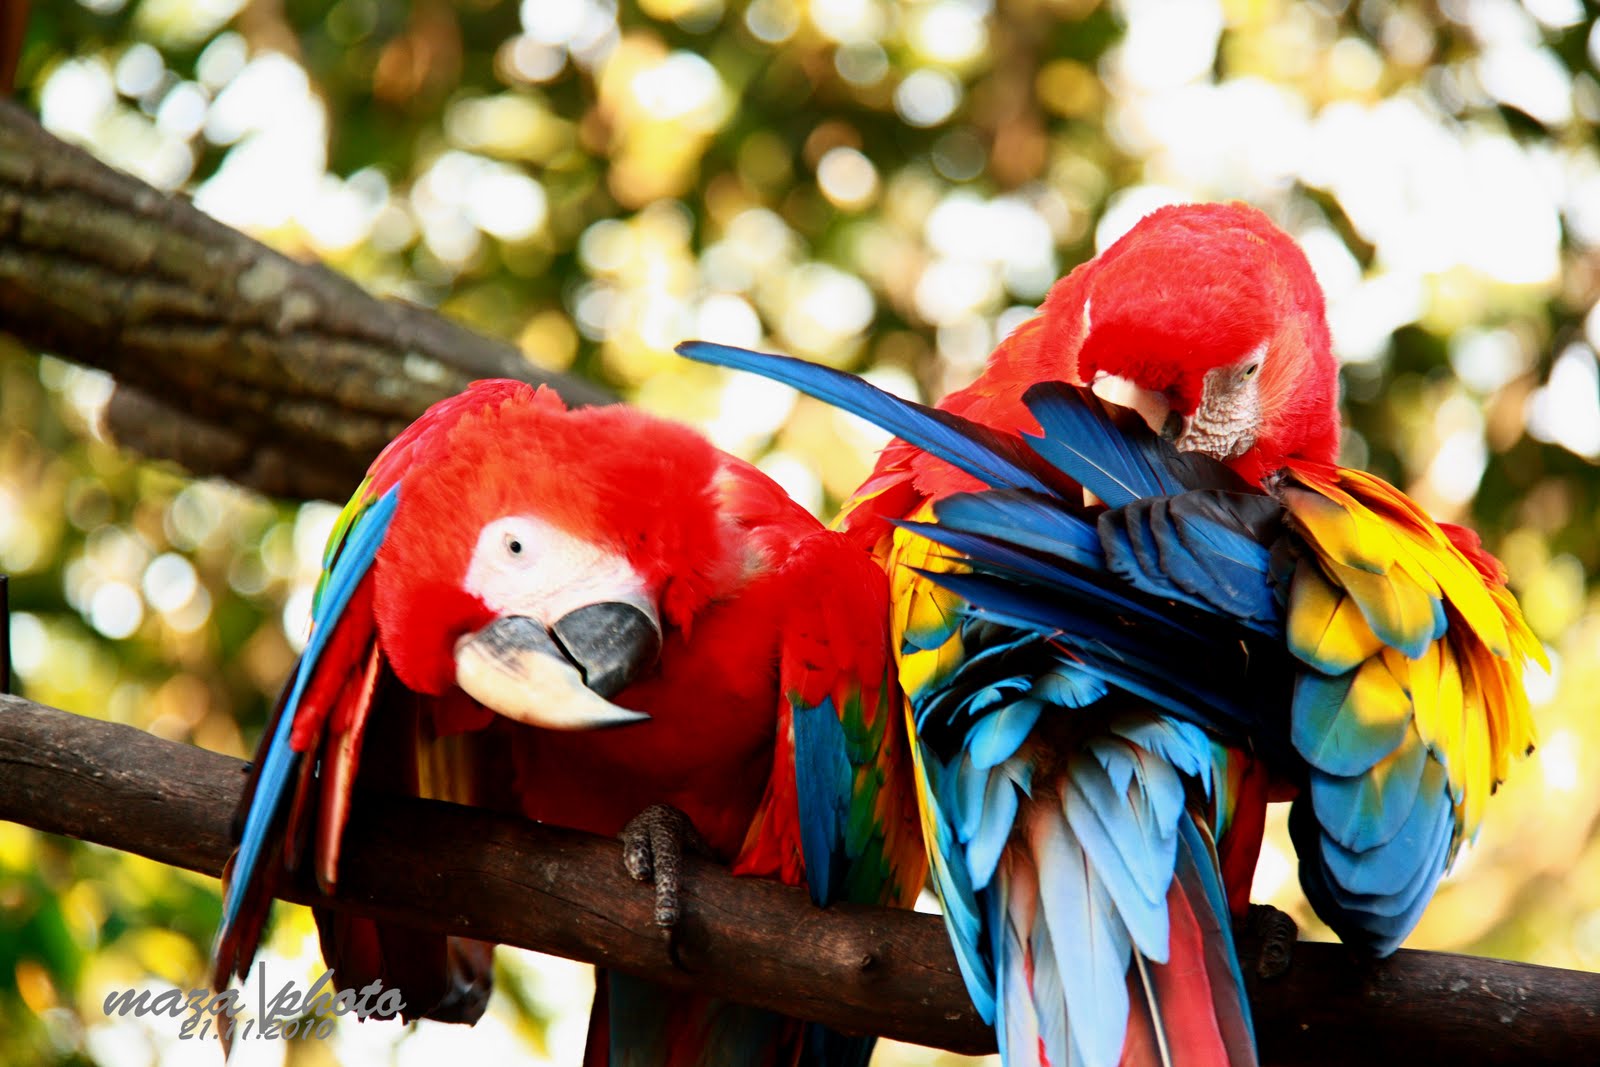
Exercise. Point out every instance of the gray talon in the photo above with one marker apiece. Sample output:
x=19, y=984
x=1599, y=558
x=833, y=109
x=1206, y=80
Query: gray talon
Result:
x=654, y=843
x=1276, y=934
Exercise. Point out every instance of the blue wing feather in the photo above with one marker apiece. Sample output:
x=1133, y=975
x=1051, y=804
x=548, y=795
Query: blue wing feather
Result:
x=348, y=569
x=1364, y=811
x=1081, y=439
x=823, y=777
x=1027, y=520
x=985, y=455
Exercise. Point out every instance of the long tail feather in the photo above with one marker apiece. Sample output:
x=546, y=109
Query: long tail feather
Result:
x=281, y=760
x=995, y=458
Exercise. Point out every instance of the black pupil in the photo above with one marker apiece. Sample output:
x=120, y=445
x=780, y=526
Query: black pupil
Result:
x=515, y=546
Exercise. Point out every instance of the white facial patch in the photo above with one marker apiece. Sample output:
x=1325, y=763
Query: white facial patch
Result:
x=525, y=566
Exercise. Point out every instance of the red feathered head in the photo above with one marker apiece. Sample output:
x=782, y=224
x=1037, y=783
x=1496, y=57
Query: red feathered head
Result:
x=512, y=506
x=1207, y=319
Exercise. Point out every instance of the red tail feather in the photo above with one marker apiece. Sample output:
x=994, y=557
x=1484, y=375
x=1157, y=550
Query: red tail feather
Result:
x=1184, y=1010
x=1240, y=847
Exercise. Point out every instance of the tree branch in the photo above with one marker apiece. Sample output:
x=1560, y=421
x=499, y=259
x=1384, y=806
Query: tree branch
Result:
x=460, y=871
x=293, y=374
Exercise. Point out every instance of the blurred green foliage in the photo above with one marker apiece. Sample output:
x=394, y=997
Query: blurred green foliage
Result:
x=882, y=185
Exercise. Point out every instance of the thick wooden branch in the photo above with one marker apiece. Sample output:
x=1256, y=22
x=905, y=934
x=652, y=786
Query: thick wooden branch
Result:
x=284, y=376
x=461, y=871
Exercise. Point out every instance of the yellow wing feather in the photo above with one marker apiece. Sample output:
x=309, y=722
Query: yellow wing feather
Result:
x=1373, y=548
x=1325, y=624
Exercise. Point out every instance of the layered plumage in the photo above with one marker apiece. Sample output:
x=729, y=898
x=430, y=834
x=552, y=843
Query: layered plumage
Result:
x=1115, y=649
x=537, y=558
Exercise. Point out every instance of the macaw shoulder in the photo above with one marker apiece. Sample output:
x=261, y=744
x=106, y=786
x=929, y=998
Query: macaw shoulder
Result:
x=767, y=518
x=790, y=546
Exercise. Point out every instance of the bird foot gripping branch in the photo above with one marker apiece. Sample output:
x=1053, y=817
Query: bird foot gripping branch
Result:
x=653, y=846
x=1267, y=935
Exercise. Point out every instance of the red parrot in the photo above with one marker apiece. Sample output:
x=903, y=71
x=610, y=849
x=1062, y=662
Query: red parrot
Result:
x=1132, y=595
x=512, y=575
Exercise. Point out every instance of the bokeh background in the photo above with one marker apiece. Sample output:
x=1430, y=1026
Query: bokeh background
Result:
x=886, y=186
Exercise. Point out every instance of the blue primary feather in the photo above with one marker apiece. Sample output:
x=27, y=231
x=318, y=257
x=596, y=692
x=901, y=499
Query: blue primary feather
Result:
x=965, y=445
x=1131, y=555
x=995, y=557
x=1023, y=519
x=1196, y=552
x=1168, y=547
x=351, y=566
x=823, y=776
x=1082, y=440
x=1239, y=567
x=1142, y=540
x=1212, y=538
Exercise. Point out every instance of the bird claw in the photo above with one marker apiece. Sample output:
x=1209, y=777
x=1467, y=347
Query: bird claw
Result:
x=653, y=846
x=1275, y=934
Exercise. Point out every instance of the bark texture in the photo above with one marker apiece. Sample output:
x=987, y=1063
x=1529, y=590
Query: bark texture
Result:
x=231, y=358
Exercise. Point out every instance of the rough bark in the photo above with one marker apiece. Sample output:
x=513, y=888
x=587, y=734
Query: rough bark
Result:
x=461, y=871
x=283, y=376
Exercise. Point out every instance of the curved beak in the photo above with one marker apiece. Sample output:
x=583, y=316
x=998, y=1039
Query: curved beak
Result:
x=1153, y=407
x=559, y=677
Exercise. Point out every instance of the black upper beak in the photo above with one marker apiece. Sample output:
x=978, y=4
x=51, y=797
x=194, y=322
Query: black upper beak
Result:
x=611, y=643
x=1172, y=428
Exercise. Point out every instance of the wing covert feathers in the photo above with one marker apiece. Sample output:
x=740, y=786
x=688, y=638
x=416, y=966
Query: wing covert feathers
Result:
x=1413, y=708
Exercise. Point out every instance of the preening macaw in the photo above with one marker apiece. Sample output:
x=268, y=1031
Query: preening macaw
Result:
x=511, y=575
x=1132, y=596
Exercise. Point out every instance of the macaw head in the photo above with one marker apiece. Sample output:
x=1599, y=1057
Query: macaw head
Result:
x=1207, y=320
x=536, y=554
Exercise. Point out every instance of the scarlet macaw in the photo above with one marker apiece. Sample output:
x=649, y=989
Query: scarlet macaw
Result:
x=1205, y=622
x=511, y=574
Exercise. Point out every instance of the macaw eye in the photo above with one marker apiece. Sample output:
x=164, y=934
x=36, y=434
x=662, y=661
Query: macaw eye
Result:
x=1249, y=372
x=513, y=546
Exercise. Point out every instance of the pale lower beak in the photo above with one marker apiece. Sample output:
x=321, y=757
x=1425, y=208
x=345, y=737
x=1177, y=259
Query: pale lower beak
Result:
x=559, y=678
x=1153, y=407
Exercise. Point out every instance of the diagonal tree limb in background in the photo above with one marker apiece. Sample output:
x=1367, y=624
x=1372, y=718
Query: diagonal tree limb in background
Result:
x=463, y=871
x=283, y=376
